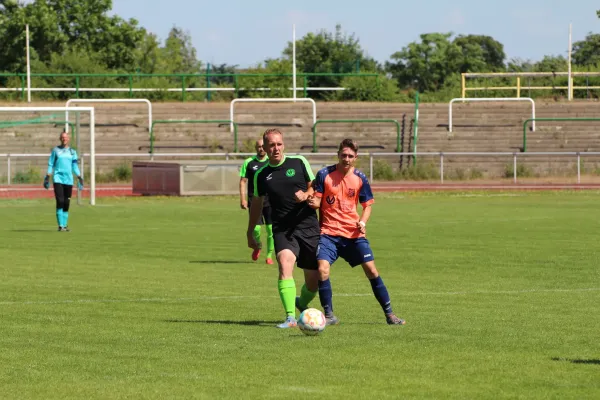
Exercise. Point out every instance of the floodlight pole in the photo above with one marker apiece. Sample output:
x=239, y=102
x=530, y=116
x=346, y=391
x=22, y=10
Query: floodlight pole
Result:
x=570, y=79
x=294, y=60
x=28, y=63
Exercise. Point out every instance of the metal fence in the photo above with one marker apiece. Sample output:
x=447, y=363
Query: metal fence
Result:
x=371, y=156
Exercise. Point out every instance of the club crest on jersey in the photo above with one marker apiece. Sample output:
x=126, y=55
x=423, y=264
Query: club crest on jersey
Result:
x=351, y=193
x=290, y=172
x=330, y=200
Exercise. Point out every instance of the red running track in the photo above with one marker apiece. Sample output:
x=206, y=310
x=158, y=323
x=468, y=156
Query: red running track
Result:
x=111, y=190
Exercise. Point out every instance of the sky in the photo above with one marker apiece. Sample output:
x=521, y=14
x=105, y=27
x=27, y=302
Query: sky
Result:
x=246, y=32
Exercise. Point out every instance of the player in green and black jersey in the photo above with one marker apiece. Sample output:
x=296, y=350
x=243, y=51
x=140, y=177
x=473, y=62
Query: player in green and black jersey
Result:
x=247, y=172
x=286, y=181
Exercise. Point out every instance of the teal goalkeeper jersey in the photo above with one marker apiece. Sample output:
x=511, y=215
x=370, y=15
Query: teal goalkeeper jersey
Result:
x=62, y=164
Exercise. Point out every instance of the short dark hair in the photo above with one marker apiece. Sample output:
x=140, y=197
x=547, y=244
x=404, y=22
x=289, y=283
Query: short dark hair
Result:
x=348, y=143
x=270, y=131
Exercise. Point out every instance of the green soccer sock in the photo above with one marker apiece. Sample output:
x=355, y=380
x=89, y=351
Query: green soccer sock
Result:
x=65, y=218
x=306, y=296
x=270, y=241
x=59, y=214
x=256, y=233
x=287, y=293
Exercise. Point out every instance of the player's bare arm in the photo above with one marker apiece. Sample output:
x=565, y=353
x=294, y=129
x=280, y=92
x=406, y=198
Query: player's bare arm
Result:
x=314, y=202
x=302, y=196
x=361, y=224
x=243, y=186
x=255, y=212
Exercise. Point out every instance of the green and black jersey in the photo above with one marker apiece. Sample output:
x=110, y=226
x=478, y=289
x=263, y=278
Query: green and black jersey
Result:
x=280, y=183
x=249, y=169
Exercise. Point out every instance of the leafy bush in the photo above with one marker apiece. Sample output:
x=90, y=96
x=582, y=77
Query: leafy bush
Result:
x=369, y=89
x=522, y=171
x=30, y=175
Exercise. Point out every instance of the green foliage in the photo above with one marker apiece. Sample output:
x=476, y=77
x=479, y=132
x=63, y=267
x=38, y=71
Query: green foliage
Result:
x=522, y=171
x=378, y=88
x=30, y=175
x=120, y=173
x=460, y=174
x=383, y=171
x=326, y=52
x=587, y=51
x=421, y=172
x=426, y=65
x=83, y=36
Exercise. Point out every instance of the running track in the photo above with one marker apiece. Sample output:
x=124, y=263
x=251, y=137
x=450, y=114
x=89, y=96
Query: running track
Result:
x=111, y=190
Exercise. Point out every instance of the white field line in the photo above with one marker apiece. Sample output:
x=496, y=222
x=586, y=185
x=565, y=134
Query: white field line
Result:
x=201, y=298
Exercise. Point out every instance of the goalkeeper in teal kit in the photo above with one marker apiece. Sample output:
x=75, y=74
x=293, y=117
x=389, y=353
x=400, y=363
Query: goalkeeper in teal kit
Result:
x=62, y=164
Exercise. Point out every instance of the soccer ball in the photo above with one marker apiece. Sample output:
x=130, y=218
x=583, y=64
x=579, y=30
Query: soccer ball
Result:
x=312, y=322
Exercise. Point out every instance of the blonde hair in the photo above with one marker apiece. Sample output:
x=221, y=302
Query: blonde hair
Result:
x=269, y=132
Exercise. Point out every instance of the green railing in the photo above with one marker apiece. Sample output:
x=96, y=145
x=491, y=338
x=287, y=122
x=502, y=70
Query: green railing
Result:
x=549, y=119
x=128, y=82
x=195, y=121
x=368, y=121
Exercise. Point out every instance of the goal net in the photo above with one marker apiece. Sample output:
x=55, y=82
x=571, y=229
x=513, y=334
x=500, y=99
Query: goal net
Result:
x=27, y=136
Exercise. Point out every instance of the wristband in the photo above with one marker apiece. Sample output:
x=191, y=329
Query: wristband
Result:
x=363, y=224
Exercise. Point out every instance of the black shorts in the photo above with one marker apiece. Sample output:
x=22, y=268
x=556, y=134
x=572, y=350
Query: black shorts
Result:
x=303, y=243
x=265, y=218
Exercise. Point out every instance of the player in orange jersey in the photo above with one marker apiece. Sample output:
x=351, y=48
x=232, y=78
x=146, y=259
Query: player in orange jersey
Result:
x=338, y=189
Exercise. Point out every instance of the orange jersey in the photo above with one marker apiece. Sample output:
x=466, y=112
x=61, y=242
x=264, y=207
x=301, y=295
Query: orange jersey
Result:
x=339, y=196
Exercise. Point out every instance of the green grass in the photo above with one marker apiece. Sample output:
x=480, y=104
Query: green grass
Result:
x=154, y=298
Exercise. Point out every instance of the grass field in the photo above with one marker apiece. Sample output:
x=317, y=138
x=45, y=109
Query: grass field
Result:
x=151, y=298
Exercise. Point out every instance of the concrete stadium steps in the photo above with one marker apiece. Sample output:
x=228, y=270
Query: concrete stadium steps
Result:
x=477, y=127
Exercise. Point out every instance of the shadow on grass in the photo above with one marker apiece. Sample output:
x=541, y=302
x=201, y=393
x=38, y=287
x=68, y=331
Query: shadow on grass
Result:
x=577, y=361
x=35, y=230
x=219, y=262
x=225, y=322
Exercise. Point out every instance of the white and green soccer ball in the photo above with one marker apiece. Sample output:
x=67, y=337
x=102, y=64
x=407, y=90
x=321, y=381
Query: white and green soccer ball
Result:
x=312, y=322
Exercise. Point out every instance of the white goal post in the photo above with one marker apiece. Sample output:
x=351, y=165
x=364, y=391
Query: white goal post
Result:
x=463, y=99
x=269, y=100
x=92, y=180
x=70, y=101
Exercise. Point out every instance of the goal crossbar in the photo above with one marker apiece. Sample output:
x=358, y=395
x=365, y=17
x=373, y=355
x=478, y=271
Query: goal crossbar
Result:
x=92, y=136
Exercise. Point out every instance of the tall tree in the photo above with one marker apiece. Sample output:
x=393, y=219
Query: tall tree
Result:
x=428, y=64
x=587, y=52
x=178, y=53
x=325, y=52
x=481, y=53
x=551, y=64
x=60, y=25
x=425, y=65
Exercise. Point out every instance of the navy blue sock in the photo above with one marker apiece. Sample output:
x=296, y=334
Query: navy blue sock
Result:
x=381, y=294
x=325, y=295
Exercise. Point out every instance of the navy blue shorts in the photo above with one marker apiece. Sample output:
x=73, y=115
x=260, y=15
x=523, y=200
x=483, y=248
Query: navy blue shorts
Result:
x=354, y=251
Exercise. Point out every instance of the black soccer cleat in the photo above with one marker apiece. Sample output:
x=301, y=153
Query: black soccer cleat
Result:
x=392, y=319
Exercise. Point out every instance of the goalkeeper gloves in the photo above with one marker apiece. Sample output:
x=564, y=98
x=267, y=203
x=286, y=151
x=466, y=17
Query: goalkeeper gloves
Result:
x=47, y=182
x=79, y=183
